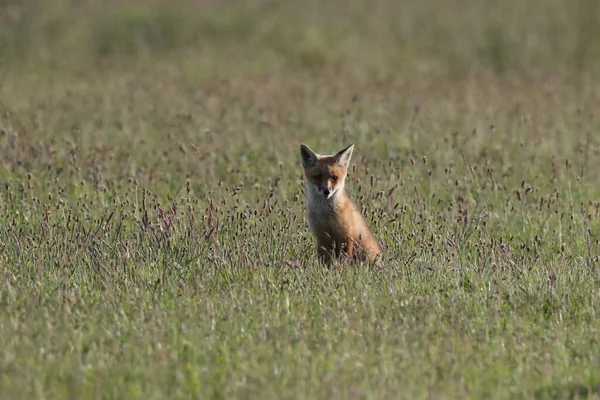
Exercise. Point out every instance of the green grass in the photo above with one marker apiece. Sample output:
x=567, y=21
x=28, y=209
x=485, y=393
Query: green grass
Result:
x=152, y=233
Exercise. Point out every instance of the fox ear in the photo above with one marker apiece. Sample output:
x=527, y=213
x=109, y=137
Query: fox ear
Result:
x=343, y=157
x=309, y=157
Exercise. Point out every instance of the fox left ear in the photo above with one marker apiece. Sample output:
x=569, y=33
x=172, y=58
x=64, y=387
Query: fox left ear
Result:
x=308, y=157
x=343, y=157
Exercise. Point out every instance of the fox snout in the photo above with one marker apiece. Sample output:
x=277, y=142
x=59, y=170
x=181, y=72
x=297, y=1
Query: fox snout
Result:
x=327, y=191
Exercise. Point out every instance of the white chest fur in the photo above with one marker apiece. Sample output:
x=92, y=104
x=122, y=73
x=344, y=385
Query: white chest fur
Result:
x=321, y=212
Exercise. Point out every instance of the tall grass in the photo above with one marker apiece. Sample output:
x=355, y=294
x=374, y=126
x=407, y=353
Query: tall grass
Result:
x=152, y=233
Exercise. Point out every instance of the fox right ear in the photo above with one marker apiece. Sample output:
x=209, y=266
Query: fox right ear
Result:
x=309, y=157
x=343, y=157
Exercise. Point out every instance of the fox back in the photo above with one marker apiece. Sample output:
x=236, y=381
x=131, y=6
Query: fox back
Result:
x=337, y=225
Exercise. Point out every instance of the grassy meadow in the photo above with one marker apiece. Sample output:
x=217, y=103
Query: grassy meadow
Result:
x=153, y=242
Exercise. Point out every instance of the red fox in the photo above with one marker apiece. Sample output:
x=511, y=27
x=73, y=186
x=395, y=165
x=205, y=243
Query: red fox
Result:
x=332, y=217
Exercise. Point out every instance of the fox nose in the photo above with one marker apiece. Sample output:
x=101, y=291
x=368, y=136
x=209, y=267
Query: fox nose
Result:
x=326, y=191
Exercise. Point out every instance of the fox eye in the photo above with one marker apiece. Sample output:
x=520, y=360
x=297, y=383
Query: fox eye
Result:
x=318, y=177
x=334, y=178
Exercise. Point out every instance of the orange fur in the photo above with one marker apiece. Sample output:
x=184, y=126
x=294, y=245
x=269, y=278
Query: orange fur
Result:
x=337, y=225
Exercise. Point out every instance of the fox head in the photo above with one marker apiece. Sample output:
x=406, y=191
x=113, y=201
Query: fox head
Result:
x=325, y=174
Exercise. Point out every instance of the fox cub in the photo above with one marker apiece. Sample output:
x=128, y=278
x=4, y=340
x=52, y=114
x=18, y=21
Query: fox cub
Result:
x=332, y=217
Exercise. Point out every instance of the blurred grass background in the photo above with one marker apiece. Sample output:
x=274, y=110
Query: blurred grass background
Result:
x=393, y=37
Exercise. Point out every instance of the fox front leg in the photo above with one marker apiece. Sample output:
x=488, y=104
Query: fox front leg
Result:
x=350, y=249
x=324, y=254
